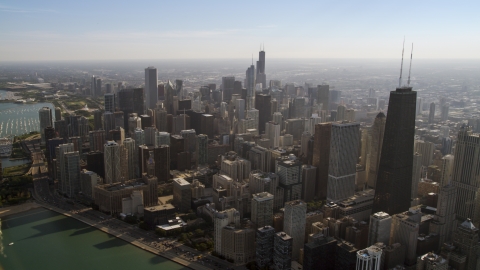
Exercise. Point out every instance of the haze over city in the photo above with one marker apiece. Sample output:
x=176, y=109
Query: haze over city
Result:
x=259, y=135
x=109, y=30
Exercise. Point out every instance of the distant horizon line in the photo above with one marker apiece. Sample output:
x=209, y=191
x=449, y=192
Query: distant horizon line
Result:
x=221, y=59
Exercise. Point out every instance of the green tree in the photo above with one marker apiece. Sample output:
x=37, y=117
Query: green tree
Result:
x=202, y=247
x=199, y=233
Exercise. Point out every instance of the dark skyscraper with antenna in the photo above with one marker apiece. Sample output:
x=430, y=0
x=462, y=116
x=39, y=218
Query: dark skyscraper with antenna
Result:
x=261, y=77
x=394, y=181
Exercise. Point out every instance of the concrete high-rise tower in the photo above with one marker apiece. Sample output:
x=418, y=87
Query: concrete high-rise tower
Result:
x=151, y=88
x=131, y=157
x=405, y=230
x=262, y=209
x=294, y=224
x=289, y=170
x=112, y=159
x=466, y=169
x=379, y=230
x=444, y=220
x=431, y=115
x=227, y=87
x=465, y=238
x=446, y=169
x=394, y=185
x=323, y=96
x=344, y=146
x=250, y=85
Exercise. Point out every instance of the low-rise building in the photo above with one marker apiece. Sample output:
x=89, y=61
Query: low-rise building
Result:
x=158, y=215
x=109, y=197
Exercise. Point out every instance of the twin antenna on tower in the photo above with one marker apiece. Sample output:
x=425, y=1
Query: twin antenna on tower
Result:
x=401, y=66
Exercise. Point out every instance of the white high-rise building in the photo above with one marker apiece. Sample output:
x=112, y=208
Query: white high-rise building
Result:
x=444, y=221
x=240, y=109
x=369, y=258
x=151, y=88
x=278, y=118
x=379, y=229
x=446, y=170
x=272, y=132
x=235, y=167
x=266, y=182
x=294, y=224
x=220, y=220
x=253, y=114
x=405, y=230
x=312, y=121
x=425, y=149
x=344, y=146
x=250, y=85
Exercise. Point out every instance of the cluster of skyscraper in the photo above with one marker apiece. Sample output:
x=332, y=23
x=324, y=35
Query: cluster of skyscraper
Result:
x=266, y=151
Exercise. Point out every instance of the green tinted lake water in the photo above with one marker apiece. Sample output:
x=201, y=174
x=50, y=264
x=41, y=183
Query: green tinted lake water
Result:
x=44, y=239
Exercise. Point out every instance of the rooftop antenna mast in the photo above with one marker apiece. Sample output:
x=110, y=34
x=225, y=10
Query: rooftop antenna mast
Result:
x=401, y=66
x=410, y=69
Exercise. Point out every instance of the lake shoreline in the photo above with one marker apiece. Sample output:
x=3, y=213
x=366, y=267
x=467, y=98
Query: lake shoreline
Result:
x=17, y=209
x=127, y=239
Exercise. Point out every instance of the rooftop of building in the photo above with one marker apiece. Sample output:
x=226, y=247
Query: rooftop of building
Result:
x=265, y=228
x=181, y=182
x=359, y=197
x=381, y=215
x=284, y=236
x=467, y=224
x=433, y=258
x=314, y=213
x=160, y=207
x=262, y=196
x=172, y=224
x=119, y=186
x=295, y=202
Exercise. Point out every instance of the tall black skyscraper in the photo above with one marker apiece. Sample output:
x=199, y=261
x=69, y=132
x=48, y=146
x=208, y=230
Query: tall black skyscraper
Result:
x=394, y=181
x=131, y=101
x=263, y=105
x=261, y=77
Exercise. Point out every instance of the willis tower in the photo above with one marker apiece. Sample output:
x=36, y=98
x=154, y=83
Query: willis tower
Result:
x=394, y=179
x=261, y=77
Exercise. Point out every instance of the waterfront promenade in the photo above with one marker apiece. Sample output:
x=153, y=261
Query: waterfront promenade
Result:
x=168, y=254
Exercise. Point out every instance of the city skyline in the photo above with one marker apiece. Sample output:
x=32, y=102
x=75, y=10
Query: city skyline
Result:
x=280, y=161
x=73, y=31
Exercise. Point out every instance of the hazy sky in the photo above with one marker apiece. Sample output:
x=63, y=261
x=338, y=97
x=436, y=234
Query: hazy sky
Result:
x=87, y=30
